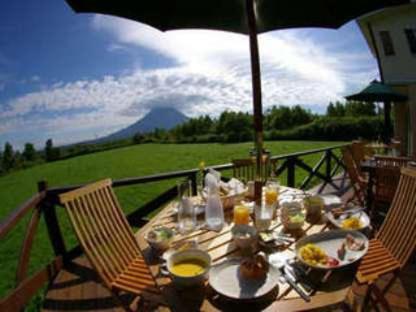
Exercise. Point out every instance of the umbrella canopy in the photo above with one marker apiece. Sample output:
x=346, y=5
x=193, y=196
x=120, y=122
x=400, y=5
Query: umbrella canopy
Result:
x=380, y=92
x=377, y=92
x=241, y=16
x=231, y=15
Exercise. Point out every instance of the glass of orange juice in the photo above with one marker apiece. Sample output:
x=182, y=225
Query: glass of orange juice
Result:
x=241, y=214
x=271, y=193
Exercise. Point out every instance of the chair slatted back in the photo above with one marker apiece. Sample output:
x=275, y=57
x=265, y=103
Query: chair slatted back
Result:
x=353, y=174
x=391, y=161
x=101, y=228
x=398, y=232
x=358, y=151
x=244, y=169
x=386, y=182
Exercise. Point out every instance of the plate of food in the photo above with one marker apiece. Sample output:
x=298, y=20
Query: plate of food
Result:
x=355, y=219
x=244, y=278
x=331, y=249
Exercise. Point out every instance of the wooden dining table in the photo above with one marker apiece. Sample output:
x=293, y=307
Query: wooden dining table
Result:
x=331, y=288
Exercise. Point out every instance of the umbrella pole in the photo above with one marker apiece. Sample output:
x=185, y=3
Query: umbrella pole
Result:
x=256, y=85
x=387, y=122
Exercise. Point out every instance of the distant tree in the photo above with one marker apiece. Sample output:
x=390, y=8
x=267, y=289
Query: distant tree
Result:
x=335, y=110
x=51, y=153
x=138, y=138
x=159, y=134
x=300, y=116
x=29, y=152
x=1, y=161
x=48, y=150
x=284, y=117
x=330, y=110
x=234, y=127
x=357, y=109
x=339, y=109
x=18, y=161
x=7, y=161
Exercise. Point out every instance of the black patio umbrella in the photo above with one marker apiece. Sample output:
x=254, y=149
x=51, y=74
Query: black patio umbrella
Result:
x=242, y=16
x=380, y=92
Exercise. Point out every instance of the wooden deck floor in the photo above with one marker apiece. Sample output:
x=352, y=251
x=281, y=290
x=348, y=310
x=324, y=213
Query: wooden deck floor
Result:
x=77, y=287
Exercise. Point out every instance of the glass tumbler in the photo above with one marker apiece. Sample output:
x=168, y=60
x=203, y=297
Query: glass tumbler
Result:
x=186, y=209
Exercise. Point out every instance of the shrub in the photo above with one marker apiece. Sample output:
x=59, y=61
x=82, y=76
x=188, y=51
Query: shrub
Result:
x=336, y=129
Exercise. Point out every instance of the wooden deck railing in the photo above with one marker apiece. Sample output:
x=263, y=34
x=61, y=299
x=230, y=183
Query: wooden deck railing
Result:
x=45, y=203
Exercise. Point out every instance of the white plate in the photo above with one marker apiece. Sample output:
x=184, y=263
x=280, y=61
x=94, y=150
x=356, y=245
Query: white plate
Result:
x=331, y=201
x=225, y=279
x=330, y=242
x=362, y=216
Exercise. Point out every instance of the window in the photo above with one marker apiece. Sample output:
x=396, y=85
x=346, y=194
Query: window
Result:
x=387, y=43
x=411, y=39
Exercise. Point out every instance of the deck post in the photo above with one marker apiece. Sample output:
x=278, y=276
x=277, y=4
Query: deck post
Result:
x=194, y=183
x=328, y=164
x=291, y=163
x=52, y=223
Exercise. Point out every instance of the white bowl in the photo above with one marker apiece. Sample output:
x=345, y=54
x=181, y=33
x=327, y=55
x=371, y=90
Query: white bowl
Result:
x=186, y=281
x=160, y=245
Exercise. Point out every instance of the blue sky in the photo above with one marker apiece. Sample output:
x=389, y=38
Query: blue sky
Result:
x=73, y=77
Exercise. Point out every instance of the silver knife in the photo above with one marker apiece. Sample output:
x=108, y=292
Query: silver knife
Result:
x=299, y=277
x=292, y=282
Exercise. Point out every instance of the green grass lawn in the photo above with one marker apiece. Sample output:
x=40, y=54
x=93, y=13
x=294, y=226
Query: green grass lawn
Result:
x=131, y=161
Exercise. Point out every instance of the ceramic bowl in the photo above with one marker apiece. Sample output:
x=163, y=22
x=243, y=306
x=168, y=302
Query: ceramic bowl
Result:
x=189, y=254
x=157, y=242
x=245, y=236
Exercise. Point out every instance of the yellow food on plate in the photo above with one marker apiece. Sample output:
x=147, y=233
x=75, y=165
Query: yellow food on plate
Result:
x=188, y=268
x=313, y=254
x=352, y=223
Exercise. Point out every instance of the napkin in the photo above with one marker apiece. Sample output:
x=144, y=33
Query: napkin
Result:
x=213, y=183
x=235, y=186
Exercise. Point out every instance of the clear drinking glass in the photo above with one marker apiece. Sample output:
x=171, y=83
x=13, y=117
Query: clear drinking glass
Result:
x=186, y=209
x=263, y=216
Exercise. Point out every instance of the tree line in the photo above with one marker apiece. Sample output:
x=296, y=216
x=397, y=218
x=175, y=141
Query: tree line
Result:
x=342, y=121
x=280, y=122
x=11, y=159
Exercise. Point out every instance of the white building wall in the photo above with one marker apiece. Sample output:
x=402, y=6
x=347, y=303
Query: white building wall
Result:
x=401, y=67
x=399, y=70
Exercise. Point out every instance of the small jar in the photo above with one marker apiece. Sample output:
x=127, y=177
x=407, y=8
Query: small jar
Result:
x=313, y=206
x=292, y=216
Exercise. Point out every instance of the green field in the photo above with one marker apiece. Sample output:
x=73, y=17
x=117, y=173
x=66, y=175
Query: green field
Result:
x=132, y=161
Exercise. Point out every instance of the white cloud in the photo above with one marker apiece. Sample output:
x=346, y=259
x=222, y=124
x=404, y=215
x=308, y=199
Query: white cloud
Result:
x=211, y=72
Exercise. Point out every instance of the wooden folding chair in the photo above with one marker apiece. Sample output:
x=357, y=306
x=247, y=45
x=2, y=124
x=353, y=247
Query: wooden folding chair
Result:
x=393, y=244
x=245, y=169
x=108, y=241
x=360, y=152
x=396, y=146
x=358, y=183
x=391, y=161
x=386, y=182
